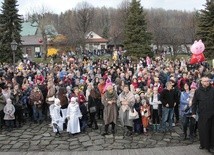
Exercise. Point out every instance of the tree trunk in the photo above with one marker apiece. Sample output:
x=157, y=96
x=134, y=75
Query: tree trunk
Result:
x=44, y=37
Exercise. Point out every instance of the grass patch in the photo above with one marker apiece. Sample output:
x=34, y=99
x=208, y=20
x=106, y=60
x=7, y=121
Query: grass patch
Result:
x=41, y=60
x=48, y=60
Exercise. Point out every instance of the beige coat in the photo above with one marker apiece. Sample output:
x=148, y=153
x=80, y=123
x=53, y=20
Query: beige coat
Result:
x=124, y=109
x=51, y=93
x=110, y=110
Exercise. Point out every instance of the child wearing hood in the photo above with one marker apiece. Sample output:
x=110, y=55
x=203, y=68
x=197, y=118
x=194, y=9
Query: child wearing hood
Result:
x=9, y=116
x=73, y=116
x=145, y=114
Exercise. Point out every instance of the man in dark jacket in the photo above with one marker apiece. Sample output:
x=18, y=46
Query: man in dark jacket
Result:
x=204, y=100
x=168, y=99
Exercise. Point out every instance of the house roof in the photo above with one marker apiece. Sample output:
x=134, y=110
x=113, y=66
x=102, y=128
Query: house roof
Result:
x=31, y=40
x=28, y=29
x=96, y=40
x=92, y=37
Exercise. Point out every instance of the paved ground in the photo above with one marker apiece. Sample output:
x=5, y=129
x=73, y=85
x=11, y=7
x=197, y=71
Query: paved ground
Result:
x=176, y=150
x=35, y=137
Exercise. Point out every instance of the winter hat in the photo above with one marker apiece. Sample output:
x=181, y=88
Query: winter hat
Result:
x=140, y=92
x=68, y=88
x=134, y=77
x=137, y=90
x=39, y=78
x=38, y=72
x=82, y=81
x=193, y=86
x=9, y=101
x=136, y=96
x=108, y=83
x=139, y=78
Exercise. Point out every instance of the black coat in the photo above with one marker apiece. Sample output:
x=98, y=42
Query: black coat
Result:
x=203, y=102
x=168, y=97
x=92, y=102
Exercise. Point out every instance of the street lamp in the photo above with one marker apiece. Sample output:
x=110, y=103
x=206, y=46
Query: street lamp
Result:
x=14, y=48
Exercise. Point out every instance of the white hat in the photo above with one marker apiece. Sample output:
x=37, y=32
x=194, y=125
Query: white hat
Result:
x=9, y=100
x=136, y=96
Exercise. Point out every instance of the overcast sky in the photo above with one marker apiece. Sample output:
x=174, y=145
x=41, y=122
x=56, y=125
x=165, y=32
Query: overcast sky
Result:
x=58, y=6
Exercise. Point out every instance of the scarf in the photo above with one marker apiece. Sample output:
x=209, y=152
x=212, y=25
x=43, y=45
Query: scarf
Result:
x=109, y=95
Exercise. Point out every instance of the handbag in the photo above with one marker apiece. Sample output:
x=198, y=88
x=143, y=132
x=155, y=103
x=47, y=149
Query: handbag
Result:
x=133, y=114
x=92, y=109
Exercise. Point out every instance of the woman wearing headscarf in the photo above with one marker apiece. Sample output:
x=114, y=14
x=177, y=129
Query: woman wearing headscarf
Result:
x=109, y=100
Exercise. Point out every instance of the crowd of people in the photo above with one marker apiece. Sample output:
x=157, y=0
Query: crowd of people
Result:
x=157, y=93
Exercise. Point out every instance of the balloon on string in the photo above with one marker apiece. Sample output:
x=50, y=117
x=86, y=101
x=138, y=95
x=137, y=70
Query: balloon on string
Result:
x=197, y=50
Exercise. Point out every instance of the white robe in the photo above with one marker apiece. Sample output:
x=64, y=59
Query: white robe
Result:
x=57, y=118
x=73, y=113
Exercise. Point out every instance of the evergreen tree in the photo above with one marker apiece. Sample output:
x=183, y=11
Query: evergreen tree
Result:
x=105, y=32
x=205, y=29
x=10, y=28
x=137, y=39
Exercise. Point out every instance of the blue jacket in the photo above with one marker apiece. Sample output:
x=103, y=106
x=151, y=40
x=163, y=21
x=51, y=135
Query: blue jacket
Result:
x=184, y=103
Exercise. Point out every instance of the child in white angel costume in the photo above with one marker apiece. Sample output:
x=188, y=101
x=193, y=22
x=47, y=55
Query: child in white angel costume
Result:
x=73, y=116
x=56, y=116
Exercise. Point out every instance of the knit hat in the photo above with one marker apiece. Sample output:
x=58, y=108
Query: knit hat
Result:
x=193, y=86
x=38, y=72
x=140, y=92
x=139, y=78
x=9, y=100
x=108, y=83
x=81, y=81
x=136, y=96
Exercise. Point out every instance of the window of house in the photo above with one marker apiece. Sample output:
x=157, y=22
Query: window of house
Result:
x=103, y=46
x=38, y=53
x=28, y=50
